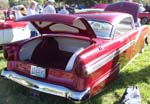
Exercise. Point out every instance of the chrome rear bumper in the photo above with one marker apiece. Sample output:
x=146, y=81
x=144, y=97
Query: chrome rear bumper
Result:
x=46, y=87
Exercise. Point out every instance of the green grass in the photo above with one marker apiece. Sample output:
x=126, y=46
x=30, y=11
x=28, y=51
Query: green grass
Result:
x=136, y=73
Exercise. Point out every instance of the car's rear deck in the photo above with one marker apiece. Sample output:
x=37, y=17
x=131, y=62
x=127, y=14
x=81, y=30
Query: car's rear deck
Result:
x=51, y=52
x=47, y=54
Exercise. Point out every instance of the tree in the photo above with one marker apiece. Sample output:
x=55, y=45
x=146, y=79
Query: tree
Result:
x=13, y=2
x=40, y=1
x=4, y=4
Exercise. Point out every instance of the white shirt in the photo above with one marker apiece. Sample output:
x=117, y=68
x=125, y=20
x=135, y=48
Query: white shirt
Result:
x=49, y=9
x=63, y=11
x=31, y=12
x=18, y=14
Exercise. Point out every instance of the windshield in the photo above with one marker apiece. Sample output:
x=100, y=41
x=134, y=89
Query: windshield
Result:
x=101, y=29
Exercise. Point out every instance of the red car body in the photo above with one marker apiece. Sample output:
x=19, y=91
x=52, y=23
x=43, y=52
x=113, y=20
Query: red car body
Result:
x=77, y=55
x=145, y=17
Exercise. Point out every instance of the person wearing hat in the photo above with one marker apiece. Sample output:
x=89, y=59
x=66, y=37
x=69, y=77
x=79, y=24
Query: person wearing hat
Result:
x=50, y=7
x=32, y=8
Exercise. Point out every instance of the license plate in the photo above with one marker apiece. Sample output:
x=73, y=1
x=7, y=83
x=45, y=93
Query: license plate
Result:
x=37, y=71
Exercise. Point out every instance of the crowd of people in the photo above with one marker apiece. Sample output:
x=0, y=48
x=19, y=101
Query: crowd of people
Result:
x=35, y=8
x=47, y=8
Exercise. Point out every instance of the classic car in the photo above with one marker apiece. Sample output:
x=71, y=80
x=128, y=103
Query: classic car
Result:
x=77, y=55
x=11, y=31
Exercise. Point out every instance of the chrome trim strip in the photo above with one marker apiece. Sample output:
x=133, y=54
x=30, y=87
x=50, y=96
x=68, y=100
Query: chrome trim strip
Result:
x=45, y=87
x=92, y=68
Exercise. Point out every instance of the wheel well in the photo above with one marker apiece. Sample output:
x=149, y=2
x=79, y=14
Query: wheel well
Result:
x=146, y=40
x=1, y=47
x=144, y=22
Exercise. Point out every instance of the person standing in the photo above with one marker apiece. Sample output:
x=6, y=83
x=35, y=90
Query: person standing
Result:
x=32, y=11
x=63, y=10
x=50, y=8
x=45, y=3
x=39, y=9
x=32, y=8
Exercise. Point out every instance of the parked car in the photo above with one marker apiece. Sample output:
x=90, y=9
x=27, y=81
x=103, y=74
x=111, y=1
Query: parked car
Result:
x=145, y=17
x=77, y=55
x=11, y=31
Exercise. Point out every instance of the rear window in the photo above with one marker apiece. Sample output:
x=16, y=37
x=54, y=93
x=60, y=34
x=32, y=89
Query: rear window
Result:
x=124, y=26
x=101, y=29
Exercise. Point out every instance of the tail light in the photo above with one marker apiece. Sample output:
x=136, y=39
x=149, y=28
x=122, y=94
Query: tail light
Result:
x=9, y=53
x=80, y=69
x=81, y=80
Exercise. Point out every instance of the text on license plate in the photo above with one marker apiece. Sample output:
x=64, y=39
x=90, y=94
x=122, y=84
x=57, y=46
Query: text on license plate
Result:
x=37, y=71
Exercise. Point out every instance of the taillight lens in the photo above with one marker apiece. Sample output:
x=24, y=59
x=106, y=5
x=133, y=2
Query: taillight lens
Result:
x=9, y=53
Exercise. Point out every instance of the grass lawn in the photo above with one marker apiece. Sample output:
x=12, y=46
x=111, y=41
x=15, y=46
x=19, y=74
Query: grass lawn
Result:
x=136, y=73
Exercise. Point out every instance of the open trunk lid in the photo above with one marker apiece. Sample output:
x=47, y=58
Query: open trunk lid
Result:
x=57, y=23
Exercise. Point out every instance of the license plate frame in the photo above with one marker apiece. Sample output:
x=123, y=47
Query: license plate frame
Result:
x=38, y=71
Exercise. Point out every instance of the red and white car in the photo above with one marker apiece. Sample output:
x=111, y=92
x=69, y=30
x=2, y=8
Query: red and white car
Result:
x=11, y=31
x=77, y=55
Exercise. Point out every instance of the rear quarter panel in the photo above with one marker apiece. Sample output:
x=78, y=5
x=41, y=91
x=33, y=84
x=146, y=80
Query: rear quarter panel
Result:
x=102, y=62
